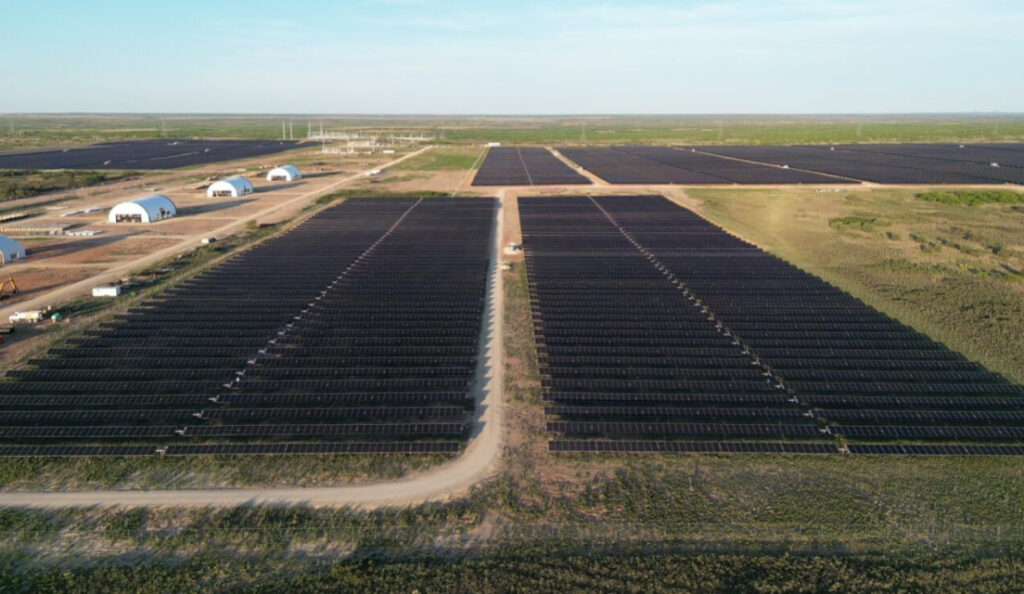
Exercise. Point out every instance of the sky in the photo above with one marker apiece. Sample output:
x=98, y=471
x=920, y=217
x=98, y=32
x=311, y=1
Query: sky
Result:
x=515, y=57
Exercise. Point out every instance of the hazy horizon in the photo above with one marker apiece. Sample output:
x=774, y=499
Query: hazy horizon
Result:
x=417, y=57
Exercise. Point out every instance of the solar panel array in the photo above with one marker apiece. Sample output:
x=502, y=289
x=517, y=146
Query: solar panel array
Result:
x=163, y=153
x=359, y=327
x=653, y=325
x=525, y=166
x=667, y=165
x=625, y=354
x=895, y=163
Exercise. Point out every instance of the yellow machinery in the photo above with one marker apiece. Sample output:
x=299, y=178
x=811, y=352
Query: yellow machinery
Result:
x=4, y=285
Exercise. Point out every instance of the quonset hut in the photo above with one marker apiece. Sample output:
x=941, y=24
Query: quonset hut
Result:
x=284, y=173
x=10, y=250
x=147, y=209
x=232, y=186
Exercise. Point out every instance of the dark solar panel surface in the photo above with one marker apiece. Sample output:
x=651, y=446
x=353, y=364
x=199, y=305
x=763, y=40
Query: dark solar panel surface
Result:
x=641, y=306
x=893, y=164
x=525, y=166
x=800, y=164
x=625, y=354
x=669, y=165
x=362, y=324
x=161, y=153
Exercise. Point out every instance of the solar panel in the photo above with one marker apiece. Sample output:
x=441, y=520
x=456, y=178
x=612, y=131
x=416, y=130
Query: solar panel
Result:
x=360, y=325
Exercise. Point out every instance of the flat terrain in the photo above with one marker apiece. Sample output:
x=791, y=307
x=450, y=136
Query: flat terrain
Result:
x=508, y=515
x=48, y=131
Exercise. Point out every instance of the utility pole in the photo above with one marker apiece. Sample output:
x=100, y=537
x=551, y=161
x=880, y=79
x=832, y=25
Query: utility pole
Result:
x=858, y=129
x=284, y=136
x=309, y=129
x=583, y=134
x=12, y=126
x=291, y=130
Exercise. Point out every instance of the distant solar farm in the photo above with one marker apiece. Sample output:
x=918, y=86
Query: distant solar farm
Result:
x=145, y=154
x=818, y=164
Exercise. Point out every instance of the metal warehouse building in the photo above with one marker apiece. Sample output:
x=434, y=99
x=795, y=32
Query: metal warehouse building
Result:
x=284, y=173
x=232, y=186
x=10, y=250
x=147, y=209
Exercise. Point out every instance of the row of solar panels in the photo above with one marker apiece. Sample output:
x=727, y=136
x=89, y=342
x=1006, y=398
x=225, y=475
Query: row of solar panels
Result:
x=726, y=447
x=234, y=449
x=615, y=345
x=594, y=292
x=118, y=432
x=361, y=324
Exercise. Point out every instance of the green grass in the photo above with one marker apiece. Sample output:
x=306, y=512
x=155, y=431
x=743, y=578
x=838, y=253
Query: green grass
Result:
x=46, y=131
x=540, y=572
x=25, y=183
x=371, y=193
x=972, y=197
x=442, y=159
x=203, y=472
x=855, y=222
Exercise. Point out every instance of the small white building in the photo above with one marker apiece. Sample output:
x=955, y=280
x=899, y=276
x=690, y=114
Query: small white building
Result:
x=10, y=250
x=106, y=291
x=31, y=316
x=232, y=186
x=148, y=209
x=284, y=173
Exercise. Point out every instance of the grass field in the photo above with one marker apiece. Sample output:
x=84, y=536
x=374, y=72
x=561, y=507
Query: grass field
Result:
x=25, y=183
x=443, y=158
x=32, y=131
x=951, y=270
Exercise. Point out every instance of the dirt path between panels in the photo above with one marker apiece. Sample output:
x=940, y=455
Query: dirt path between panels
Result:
x=479, y=460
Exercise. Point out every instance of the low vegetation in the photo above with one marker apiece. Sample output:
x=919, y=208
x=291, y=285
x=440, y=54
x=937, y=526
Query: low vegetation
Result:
x=25, y=183
x=447, y=158
x=972, y=197
x=360, y=193
x=205, y=472
x=540, y=571
x=48, y=131
x=854, y=222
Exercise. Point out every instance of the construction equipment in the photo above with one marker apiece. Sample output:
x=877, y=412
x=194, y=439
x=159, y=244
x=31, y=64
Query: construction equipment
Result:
x=3, y=286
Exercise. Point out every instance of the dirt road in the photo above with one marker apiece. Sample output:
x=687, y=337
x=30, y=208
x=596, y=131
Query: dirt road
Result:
x=478, y=461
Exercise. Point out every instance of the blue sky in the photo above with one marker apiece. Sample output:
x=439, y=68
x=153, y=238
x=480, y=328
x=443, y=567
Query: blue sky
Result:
x=521, y=57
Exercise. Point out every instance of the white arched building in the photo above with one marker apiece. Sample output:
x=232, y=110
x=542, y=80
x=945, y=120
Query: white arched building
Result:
x=284, y=173
x=232, y=186
x=148, y=209
x=10, y=250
